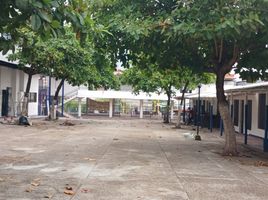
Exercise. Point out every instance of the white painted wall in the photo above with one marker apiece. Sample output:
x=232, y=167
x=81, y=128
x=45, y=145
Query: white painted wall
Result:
x=32, y=106
x=8, y=79
x=254, y=126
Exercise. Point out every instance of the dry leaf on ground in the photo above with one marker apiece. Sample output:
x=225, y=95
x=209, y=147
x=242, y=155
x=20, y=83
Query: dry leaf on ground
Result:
x=69, y=192
x=261, y=163
x=67, y=123
x=90, y=159
x=29, y=189
x=48, y=196
x=36, y=182
x=84, y=190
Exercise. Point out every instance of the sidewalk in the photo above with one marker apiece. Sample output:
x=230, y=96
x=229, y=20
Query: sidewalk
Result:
x=124, y=160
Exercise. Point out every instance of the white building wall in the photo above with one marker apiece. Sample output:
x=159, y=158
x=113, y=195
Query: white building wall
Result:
x=8, y=79
x=32, y=106
x=254, y=123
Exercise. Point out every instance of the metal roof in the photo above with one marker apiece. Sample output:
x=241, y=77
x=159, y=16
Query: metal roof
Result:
x=7, y=64
x=262, y=86
x=202, y=95
x=110, y=94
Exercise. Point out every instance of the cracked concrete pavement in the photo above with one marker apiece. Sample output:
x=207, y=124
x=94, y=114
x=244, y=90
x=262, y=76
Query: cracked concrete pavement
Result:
x=124, y=159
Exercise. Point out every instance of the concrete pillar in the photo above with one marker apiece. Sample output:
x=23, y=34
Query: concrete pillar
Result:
x=141, y=109
x=246, y=119
x=265, y=139
x=232, y=106
x=79, y=107
x=171, y=110
x=62, y=100
x=0, y=92
x=240, y=116
x=111, y=108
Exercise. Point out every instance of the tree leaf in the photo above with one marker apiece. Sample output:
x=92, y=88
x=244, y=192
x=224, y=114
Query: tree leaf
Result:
x=55, y=24
x=44, y=16
x=35, y=22
x=22, y=4
x=37, y=4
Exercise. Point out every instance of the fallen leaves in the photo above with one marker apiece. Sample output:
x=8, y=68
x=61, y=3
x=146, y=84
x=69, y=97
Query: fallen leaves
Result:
x=261, y=164
x=48, y=196
x=67, y=123
x=68, y=190
x=254, y=163
x=34, y=183
x=30, y=189
x=90, y=159
x=84, y=190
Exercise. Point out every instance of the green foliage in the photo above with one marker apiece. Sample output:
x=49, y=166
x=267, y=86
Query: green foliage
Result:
x=226, y=32
x=63, y=58
x=72, y=107
x=46, y=17
x=163, y=80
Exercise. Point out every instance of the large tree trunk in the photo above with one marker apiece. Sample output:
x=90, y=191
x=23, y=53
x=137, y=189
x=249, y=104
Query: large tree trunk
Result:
x=178, y=125
x=166, y=117
x=229, y=131
x=24, y=110
x=53, y=108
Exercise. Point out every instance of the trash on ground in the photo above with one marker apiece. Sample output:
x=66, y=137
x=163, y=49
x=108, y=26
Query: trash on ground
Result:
x=24, y=121
x=67, y=123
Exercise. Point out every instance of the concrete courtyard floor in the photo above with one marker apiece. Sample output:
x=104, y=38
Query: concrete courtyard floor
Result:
x=101, y=159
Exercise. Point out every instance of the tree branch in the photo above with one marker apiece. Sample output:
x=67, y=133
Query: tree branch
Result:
x=221, y=50
x=216, y=48
x=184, y=91
x=226, y=68
x=209, y=70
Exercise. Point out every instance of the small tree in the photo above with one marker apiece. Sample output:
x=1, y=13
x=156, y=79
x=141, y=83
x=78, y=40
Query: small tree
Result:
x=64, y=59
x=31, y=55
x=159, y=80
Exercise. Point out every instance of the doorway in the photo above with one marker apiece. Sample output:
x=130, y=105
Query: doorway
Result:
x=5, y=95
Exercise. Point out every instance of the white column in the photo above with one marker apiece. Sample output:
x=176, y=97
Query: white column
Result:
x=79, y=107
x=240, y=115
x=245, y=103
x=111, y=108
x=0, y=92
x=141, y=109
x=232, y=105
x=171, y=110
